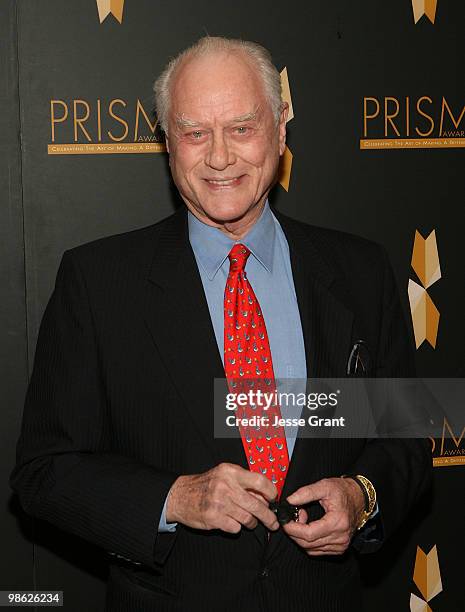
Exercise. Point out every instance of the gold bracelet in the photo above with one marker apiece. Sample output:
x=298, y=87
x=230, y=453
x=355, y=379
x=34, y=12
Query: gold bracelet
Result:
x=369, y=494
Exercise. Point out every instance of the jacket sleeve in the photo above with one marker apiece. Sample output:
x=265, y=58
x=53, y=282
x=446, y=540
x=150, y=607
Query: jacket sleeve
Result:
x=400, y=468
x=65, y=471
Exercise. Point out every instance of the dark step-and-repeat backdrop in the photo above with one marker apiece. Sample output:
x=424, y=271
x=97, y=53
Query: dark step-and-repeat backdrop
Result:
x=375, y=147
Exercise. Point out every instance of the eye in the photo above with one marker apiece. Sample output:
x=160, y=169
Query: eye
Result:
x=197, y=134
x=242, y=129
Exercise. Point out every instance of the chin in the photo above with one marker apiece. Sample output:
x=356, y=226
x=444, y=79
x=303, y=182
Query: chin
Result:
x=226, y=214
x=225, y=211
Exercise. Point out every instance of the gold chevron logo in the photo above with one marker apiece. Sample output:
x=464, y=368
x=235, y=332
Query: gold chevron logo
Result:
x=425, y=315
x=424, y=7
x=427, y=577
x=418, y=605
x=425, y=259
x=285, y=164
x=115, y=7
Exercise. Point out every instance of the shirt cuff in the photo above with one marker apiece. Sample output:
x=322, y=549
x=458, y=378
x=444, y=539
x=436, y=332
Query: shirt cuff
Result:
x=371, y=531
x=375, y=512
x=163, y=526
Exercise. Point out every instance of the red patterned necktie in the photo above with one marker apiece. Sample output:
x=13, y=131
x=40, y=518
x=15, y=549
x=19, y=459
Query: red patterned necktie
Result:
x=248, y=365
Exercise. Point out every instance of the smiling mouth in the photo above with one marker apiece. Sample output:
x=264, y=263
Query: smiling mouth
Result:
x=223, y=183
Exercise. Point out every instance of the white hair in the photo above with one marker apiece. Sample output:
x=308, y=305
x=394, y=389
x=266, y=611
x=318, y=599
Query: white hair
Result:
x=259, y=56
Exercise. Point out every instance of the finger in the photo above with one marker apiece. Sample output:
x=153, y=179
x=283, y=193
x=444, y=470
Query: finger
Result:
x=258, y=496
x=321, y=544
x=257, y=507
x=296, y=530
x=258, y=483
x=322, y=528
x=328, y=551
x=230, y=525
x=308, y=493
x=303, y=516
x=320, y=550
x=227, y=506
x=242, y=516
x=332, y=541
x=330, y=548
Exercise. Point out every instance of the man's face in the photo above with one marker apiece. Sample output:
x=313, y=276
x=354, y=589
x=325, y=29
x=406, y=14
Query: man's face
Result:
x=223, y=140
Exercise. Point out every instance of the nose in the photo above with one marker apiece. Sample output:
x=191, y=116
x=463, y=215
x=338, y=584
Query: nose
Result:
x=219, y=155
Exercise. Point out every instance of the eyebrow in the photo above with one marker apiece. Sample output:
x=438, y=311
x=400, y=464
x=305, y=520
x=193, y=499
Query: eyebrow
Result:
x=184, y=122
x=247, y=117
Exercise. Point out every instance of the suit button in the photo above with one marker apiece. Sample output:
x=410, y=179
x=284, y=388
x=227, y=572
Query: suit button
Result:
x=265, y=572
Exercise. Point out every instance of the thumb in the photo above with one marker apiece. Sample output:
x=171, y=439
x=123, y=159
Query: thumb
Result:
x=306, y=494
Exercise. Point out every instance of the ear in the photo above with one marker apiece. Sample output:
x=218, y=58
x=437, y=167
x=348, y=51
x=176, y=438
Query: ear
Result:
x=282, y=127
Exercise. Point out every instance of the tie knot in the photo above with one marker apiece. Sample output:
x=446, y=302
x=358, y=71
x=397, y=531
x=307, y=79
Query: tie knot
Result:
x=238, y=256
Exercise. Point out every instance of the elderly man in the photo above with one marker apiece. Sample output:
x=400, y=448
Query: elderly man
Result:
x=117, y=444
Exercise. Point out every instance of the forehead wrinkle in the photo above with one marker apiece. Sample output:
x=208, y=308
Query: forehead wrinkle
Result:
x=202, y=90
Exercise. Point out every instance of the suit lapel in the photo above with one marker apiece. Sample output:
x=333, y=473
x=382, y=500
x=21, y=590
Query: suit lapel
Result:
x=177, y=316
x=327, y=326
x=326, y=320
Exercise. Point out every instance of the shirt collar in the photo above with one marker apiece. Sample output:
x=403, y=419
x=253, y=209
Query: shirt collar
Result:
x=211, y=246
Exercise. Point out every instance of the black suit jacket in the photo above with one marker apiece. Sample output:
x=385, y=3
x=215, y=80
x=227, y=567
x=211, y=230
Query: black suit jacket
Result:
x=120, y=403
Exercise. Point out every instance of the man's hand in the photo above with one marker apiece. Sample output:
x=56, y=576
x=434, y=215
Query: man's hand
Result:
x=226, y=497
x=343, y=502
